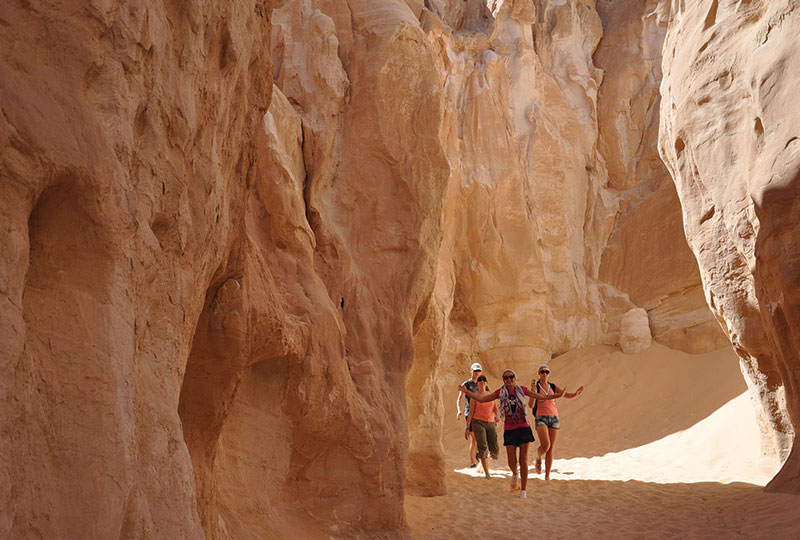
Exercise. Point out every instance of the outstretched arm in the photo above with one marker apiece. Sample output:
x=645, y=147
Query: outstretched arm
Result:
x=576, y=393
x=532, y=394
x=472, y=395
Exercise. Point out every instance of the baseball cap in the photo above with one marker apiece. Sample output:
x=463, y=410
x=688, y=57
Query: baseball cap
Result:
x=476, y=367
x=544, y=366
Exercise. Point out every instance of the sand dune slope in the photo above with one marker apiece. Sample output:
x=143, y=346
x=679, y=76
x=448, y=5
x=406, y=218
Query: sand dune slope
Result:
x=662, y=444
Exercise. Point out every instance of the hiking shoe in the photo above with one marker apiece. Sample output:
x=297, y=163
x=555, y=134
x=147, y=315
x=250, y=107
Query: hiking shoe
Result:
x=488, y=476
x=473, y=465
x=523, y=495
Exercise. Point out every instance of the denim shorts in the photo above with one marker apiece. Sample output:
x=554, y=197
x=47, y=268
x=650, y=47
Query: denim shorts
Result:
x=549, y=421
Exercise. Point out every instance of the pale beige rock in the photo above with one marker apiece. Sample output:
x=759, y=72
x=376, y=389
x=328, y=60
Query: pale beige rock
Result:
x=634, y=331
x=218, y=292
x=544, y=249
x=646, y=256
x=729, y=122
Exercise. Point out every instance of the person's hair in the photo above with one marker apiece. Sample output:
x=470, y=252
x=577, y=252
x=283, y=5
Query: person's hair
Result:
x=482, y=378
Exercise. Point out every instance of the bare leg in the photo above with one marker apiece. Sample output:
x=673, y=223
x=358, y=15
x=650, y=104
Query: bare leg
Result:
x=548, y=459
x=485, y=463
x=544, y=446
x=511, y=452
x=523, y=465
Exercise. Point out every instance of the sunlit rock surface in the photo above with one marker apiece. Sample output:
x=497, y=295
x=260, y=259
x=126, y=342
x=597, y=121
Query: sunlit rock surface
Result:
x=634, y=331
x=244, y=245
x=729, y=136
x=560, y=217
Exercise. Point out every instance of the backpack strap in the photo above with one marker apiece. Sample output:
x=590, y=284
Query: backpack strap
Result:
x=538, y=391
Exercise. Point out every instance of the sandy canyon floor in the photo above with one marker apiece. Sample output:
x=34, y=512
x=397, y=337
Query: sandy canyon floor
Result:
x=661, y=445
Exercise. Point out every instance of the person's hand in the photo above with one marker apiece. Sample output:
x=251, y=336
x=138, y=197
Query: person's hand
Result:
x=579, y=391
x=462, y=388
x=466, y=433
x=458, y=416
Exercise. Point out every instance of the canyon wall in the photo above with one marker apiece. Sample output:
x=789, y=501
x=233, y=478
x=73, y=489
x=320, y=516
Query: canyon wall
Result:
x=562, y=225
x=729, y=135
x=210, y=282
x=246, y=246
x=127, y=141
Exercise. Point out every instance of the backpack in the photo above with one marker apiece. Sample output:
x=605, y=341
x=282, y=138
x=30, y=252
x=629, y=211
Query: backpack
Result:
x=536, y=403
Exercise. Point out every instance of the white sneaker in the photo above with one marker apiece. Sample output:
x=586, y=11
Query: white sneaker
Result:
x=523, y=495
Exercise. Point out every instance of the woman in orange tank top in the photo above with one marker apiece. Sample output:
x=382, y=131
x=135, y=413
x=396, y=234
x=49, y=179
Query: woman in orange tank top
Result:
x=482, y=418
x=546, y=418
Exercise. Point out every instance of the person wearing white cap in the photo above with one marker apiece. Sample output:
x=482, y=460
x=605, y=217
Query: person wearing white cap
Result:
x=546, y=418
x=472, y=385
x=517, y=434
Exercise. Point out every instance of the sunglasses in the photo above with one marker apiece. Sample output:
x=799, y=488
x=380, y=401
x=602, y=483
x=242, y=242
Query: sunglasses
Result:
x=507, y=377
x=545, y=371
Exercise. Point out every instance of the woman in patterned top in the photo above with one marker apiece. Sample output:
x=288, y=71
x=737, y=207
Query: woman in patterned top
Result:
x=517, y=431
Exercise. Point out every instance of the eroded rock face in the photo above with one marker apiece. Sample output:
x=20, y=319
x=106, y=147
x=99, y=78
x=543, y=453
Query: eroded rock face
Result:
x=127, y=141
x=210, y=282
x=729, y=137
x=244, y=246
x=646, y=256
x=559, y=217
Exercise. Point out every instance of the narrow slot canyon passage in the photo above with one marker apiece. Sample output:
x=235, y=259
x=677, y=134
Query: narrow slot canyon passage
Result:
x=250, y=249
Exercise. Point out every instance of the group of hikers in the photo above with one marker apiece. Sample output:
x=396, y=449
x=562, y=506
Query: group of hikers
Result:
x=481, y=413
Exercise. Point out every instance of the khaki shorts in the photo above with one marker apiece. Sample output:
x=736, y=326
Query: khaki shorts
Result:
x=486, y=436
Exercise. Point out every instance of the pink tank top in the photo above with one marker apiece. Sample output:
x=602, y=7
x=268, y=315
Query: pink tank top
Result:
x=545, y=407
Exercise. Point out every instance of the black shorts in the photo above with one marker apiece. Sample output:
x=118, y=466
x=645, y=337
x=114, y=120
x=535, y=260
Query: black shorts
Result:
x=517, y=437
